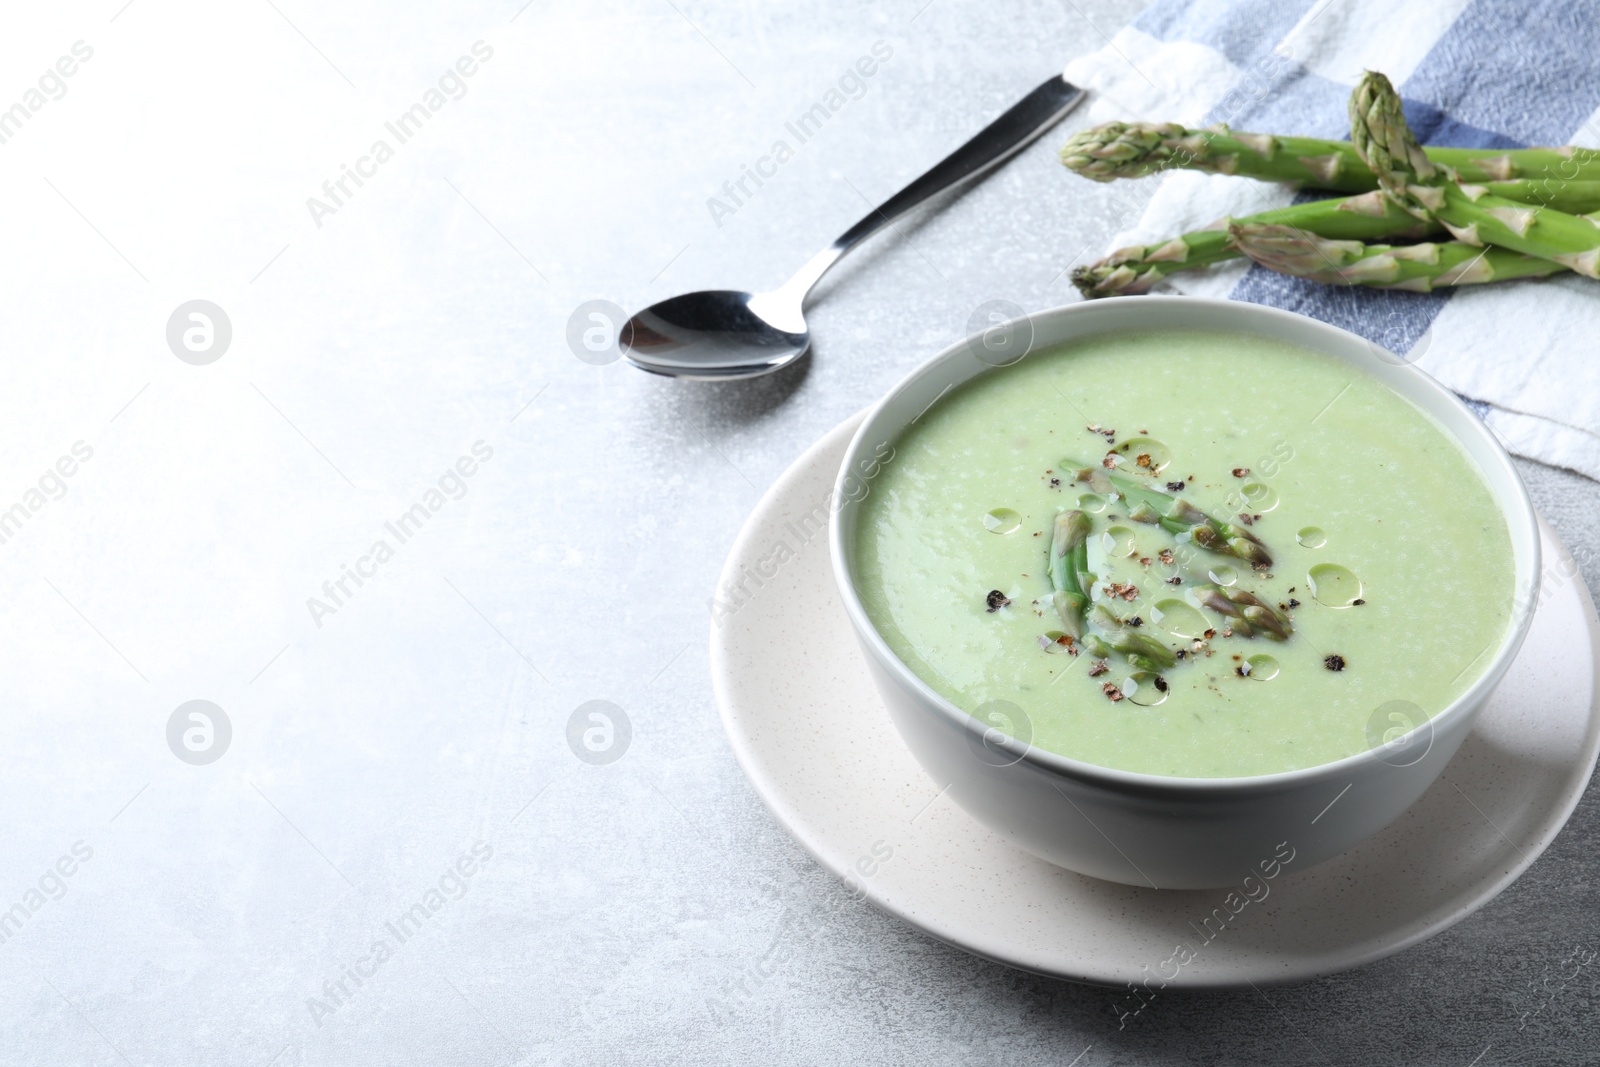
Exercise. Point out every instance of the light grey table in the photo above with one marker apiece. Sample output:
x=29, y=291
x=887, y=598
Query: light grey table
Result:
x=397, y=856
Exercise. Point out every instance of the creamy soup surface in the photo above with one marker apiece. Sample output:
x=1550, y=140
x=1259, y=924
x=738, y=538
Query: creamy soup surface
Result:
x=1390, y=564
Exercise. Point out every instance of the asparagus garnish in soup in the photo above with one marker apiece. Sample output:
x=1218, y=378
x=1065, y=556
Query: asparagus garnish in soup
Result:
x=1069, y=569
x=1244, y=614
x=1176, y=515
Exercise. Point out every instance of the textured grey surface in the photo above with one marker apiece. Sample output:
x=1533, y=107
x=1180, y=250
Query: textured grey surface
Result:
x=649, y=908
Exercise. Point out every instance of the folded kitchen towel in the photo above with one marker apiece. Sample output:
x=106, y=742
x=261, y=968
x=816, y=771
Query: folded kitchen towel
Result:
x=1490, y=73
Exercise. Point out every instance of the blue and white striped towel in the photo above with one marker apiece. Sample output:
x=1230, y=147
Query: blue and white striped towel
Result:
x=1491, y=73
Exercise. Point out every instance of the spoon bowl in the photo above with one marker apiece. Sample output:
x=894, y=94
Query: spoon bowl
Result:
x=716, y=335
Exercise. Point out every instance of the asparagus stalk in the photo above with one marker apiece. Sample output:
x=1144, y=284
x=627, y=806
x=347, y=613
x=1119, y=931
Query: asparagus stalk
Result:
x=1574, y=197
x=1142, y=651
x=1246, y=613
x=1419, y=268
x=1176, y=515
x=1070, y=578
x=1069, y=564
x=1470, y=212
x=1136, y=149
x=1135, y=270
x=1367, y=217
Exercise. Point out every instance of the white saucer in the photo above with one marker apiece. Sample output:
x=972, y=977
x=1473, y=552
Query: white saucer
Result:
x=811, y=734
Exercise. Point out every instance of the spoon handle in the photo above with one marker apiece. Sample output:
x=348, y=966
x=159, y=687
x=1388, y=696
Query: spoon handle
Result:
x=990, y=147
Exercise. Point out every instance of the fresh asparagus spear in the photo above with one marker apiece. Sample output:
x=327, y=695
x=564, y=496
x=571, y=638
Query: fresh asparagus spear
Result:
x=1573, y=197
x=1136, y=149
x=1247, y=614
x=1471, y=213
x=1419, y=268
x=1176, y=515
x=1367, y=217
x=1135, y=270
x=1069, y=565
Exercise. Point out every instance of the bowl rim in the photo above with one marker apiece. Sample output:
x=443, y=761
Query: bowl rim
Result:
x=1319, y=336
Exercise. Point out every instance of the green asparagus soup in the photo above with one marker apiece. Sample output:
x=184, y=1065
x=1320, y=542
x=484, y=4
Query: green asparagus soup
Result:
x=1195, y=554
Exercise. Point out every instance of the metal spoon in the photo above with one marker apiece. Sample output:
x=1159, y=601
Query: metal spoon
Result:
x=718, y=334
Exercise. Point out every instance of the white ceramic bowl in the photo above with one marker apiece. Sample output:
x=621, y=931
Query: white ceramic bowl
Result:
x=1150, y=830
